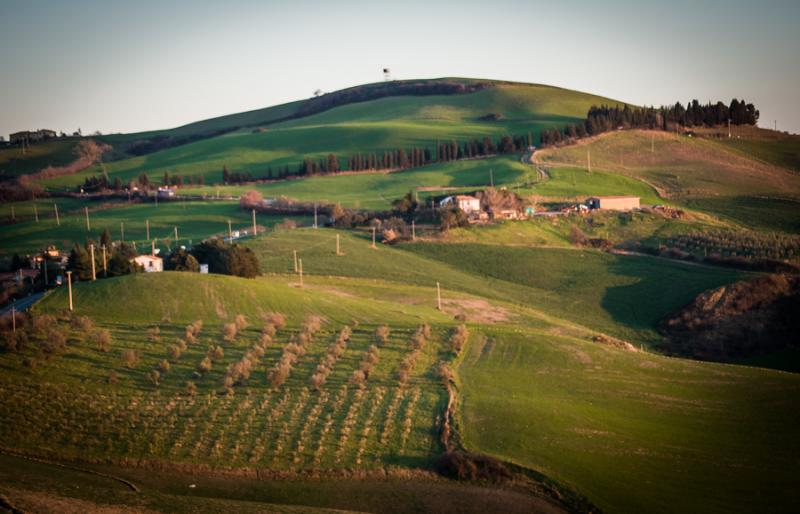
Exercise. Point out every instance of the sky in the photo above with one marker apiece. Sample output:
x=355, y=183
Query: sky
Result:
x=117, y=66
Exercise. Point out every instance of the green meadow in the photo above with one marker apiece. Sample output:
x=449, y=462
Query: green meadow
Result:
x=194, y=220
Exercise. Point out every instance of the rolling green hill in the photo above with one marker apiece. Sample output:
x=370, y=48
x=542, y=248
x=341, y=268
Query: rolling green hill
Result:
x=593, y=417
x=635, y=432
x=375, y=125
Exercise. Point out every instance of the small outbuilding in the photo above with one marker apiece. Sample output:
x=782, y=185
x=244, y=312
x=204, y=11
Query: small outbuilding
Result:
x=150, y=263
x=166, y=192
x=613, y=203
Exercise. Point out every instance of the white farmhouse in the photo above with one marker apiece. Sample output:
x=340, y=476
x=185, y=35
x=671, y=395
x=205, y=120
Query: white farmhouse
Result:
x=150, y=263
x=466, y=203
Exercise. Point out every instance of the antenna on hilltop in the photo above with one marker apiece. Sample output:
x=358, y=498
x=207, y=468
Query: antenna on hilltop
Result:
x=387, y=75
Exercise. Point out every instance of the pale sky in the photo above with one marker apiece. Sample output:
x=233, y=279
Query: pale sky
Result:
x=120, y=66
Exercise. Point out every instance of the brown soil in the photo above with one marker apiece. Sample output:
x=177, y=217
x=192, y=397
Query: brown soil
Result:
x=479, y=311
x=45, y=503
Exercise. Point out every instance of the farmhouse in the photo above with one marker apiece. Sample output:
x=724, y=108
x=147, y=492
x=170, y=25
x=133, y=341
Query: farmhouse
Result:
x=466, y=203
x=613, y=203
x=166, y=192
x=31, y=136
x=150, y=263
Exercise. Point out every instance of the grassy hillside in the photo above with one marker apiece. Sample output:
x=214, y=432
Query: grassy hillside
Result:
x=195, y=221
x=635, y=432
x=535, y=389
x=14, y=162
x=370, y=126
x=778, y=148
x=378, y=190
x=622, y=295
x=578, y=183
x=293, y=426
x=620, y=228
x=697, y=172
x=151, y=298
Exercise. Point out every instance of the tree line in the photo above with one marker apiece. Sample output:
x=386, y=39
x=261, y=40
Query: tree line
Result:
x=398, y=159
x=142, y=182
x=605, y=118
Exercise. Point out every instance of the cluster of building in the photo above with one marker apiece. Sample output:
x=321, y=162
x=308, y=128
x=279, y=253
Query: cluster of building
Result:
x=472, y=208
x=31, y=136
x=476, y=213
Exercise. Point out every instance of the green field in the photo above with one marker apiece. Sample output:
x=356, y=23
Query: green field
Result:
x=622, y=295
x=705, y=174
x=635, y=432
x=195, y=221
x=575, y=183
x=378, y=190
x=777, y=148
x=621, y=228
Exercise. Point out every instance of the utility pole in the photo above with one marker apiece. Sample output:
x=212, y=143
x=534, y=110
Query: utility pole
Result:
x=230, y=232
x=337, y=247
x=105, y=267
x=255, y=227
x=729, y=128
x=94, y=274
x=44, y=265
x=413, y=231
x=315, y=215
x=13, y=320
x=36, y=213
x=69, y=287
x=88, y=226
x=373, y=237
x=122, y=231
x=776, y=125
x=295, y=260
x=301, y=272
x=147, y=225
x=153, y=248
x=176, y=236
x=438, y=296
x=58, y=220
x=491, y=177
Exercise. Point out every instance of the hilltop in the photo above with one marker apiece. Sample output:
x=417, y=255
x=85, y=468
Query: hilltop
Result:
x=370, y=118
